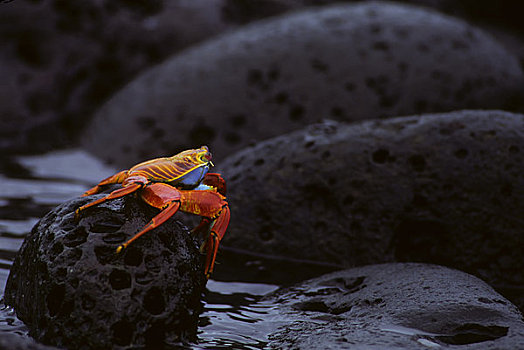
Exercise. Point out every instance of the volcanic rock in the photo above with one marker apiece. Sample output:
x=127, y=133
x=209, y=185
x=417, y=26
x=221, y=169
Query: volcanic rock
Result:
x=396, y=306
x=345, y=62
x=61, y=59
x=72, y=290
x=439, y=188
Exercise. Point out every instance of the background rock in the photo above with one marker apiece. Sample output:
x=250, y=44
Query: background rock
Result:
x=443, y=188
x=396, y=306
x=71, y=289
x=60, y=59
x=346, y=62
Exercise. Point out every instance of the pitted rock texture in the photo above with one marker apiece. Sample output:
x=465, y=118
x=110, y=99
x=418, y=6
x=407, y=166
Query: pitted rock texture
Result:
x=61, y=59
x=396, y=306
x=346, y=62
x=72, y=290
x=440, y=188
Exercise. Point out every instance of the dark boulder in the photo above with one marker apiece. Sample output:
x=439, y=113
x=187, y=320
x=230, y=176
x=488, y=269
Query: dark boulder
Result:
x=345, y=62
x=395, y=306
x=442, y=188
x=72, y=290
x=61, y=59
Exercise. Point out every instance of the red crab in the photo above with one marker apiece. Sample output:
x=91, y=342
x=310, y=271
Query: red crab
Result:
x=180, y=182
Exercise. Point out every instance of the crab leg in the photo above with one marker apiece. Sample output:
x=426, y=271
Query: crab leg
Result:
x=115, y=179
x=113, y=195
x=218, y=229
x=216, y=181
x=130, y=185
x=160, y=196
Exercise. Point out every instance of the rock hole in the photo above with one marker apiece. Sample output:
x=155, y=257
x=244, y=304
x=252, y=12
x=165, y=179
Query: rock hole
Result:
x=146, y=122
x=417, y=163
x=380, y=45
x=506, y=190
x=258, y=162
x=201, y=134
x=472, y=333
x=513, y=149
x=232, y=138
x=133, y=256
x=55, y=299
x=296, y=113
x=73, y=255
x=73, y=282
x=119, y=279
x=461, y=153
x=30, y=49
x=155, y=336
x=419, y=201
x=320, y=226
x=106, y=225
x=154, y=301
x=143, y=278
x=319, y=66
x=337, y=112
x=350, y=87
x=309, y=144
x=55, y=250
x=238, y=120
x=380, y=156
x=105, y=254
x=76, y=237
x=153, y=263
x=122, y=332
x=265, y=233
x=348, y=200
x=114, y=237
x=281, y=98
x=315, y=305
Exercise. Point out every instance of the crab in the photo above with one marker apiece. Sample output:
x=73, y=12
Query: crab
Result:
x=181, y=182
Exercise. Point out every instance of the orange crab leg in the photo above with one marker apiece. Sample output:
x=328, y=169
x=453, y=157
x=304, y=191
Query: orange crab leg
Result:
x=216, y=181
x=215, y=236
x=160, y=196
x=213, y=207
x=113, y=195
x=118, y=178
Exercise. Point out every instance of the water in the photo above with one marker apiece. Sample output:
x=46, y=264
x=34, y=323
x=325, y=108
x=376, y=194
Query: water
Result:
x=30, y=186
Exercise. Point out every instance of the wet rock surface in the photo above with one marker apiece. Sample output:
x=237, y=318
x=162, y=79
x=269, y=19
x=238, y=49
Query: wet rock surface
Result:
x=443, y=188
x=396, y=306
x=72, y=290
x=345, y=62
x=10, y=341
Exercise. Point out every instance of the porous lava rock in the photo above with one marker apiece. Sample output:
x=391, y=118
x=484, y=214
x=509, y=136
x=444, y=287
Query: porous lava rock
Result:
x=345, y=62
x=396, y=306
x=72, y=290
x=59, y=60
x=440, y=188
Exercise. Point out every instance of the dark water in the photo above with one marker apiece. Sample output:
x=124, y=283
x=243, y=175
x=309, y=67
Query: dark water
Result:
x=234, y=316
